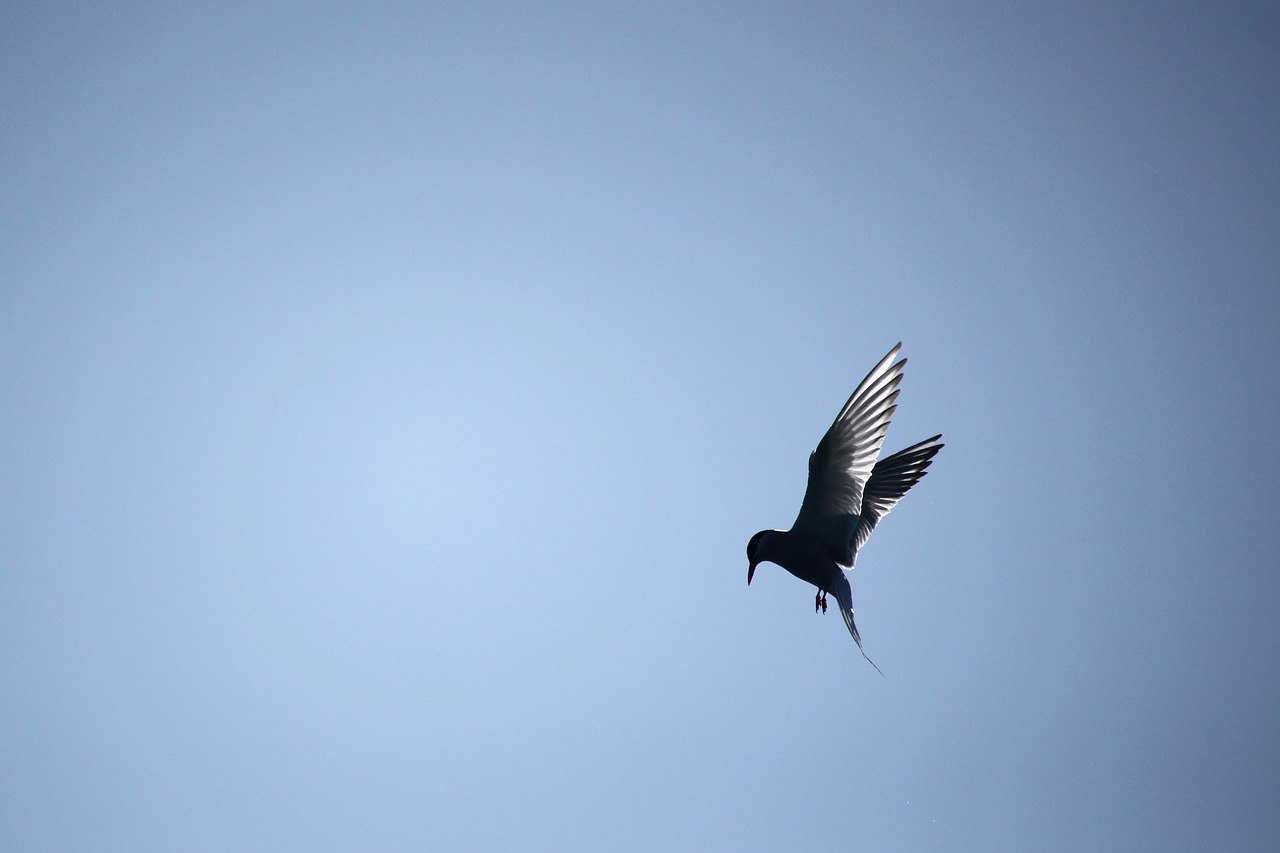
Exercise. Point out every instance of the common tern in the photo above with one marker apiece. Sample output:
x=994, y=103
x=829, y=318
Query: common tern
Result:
x=848, y=493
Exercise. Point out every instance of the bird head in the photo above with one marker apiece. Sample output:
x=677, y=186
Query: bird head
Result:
x=753, y=554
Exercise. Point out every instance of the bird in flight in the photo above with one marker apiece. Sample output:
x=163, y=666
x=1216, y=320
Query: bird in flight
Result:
x=848, y=493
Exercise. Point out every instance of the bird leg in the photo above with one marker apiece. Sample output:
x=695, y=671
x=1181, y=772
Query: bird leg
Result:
x=820, y=600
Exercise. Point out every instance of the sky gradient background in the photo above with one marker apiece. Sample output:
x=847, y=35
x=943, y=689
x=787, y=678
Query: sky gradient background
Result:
x=389, y=391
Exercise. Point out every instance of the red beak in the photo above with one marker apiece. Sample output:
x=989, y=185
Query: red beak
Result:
x=751, y=570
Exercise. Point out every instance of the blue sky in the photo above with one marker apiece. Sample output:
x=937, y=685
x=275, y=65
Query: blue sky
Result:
x=389, y=391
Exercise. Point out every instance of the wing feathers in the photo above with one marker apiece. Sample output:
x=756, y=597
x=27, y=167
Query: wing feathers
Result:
x=890, y=480
x=843, y=462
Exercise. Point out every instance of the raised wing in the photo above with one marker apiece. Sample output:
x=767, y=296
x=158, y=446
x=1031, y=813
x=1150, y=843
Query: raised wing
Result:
x=842, y=464
x=889, y=481
x=840, y=589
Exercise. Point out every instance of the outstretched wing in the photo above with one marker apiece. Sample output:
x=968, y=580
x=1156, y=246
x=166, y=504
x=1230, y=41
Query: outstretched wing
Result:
x=840, y=589
x=842, y=464
x=889, y=481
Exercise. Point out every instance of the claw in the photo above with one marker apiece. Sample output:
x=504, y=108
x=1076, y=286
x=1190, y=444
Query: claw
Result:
x=824, y=602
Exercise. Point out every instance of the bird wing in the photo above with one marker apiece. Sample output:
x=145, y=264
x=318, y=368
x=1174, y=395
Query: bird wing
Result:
x=841, y=465
x=889, y=481
x=844, y=596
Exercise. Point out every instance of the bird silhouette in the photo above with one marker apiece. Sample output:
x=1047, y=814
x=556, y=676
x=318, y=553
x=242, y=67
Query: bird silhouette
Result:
x=849, y=492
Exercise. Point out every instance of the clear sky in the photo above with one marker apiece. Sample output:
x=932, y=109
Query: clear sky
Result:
x=388, y=393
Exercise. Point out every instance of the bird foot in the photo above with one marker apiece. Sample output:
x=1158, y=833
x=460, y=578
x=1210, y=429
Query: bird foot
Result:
x=820, y=600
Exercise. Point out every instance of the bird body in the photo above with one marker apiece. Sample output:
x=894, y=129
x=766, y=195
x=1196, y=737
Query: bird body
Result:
x=802, y=556
x=847, y=494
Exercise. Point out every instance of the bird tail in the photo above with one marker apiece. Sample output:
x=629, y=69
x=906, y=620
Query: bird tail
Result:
x=845, y=598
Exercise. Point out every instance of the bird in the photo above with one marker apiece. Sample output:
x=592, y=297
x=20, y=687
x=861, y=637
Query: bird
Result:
x=848, y=493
